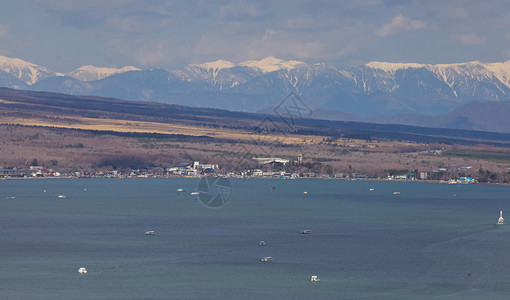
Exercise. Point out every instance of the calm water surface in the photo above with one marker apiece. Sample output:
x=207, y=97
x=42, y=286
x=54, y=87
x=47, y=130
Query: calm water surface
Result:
x=433, y=241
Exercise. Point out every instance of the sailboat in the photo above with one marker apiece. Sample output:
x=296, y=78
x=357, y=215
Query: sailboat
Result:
x=501, y=221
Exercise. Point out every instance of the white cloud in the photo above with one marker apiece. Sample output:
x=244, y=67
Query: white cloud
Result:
x=400, y=24
x=469, y=39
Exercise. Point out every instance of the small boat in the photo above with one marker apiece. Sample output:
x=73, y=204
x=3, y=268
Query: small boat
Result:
x=314, y=278
x=62, y=196
x=396, y=193
x=266, y=259
x=150, y=232
x=195, y=193
x=180, y=190
x=262, y=243
x=306, y=231
x=82, y=270
x=371, y=190
x=306, y=193
x=273, y=188
x=501, y=221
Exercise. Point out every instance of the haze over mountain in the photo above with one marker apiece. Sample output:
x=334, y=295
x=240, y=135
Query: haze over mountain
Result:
x=377, y=91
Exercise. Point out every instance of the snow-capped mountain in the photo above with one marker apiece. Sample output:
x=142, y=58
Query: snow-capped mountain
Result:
x=501, y=71
x=271, y=64
x=216, y=65
x=225, y=74
x=26, y=73
x=90, y=73
x=265, y=65
x=373, y=89
x=216, y=75
x=17, y=73
x=470, y=79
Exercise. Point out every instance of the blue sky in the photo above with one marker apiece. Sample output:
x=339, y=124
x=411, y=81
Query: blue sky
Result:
x=66, y=34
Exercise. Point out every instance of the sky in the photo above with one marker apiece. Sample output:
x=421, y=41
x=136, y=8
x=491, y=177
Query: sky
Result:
x=66, y=34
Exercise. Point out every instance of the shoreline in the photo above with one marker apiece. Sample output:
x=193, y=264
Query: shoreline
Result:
x=258, y=178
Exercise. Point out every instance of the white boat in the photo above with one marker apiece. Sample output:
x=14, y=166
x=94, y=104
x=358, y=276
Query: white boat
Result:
x=306, y=193
x=150, y=232
x=501, y=221
x=396, y=193
x=262, y=243
x=62, y=196
x=306, y=231
x=82, y=270
x=180, y=190
x=195, y=193
x=314, y=278
x=371, y=189
x=266, y=259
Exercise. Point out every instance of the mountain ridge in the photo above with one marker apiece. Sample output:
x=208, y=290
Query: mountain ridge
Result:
x=90, y=73
x=375, y=89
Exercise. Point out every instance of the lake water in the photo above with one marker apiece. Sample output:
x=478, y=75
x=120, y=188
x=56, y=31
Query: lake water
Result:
x=433, y=241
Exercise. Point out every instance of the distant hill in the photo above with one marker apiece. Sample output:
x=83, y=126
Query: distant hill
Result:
x=89, y=112
x=480, y=116
x=487, y=116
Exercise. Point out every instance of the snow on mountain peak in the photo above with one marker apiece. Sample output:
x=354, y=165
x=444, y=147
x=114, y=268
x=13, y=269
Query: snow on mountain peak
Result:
x=90, y=73
x=27, y=72
x=4, y=60
x=266, y=65
x=217, y=65
x=392, y=67
x=501, y=71
x=450, y=73
x=271, y=64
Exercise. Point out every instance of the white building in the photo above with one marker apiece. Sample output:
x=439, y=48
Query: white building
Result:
x=197, y=165
x=268, y=160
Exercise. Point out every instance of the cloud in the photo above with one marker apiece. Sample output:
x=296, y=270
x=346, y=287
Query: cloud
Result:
x=167, y=34
x=239, y=10
x=80, y=14
x=457, y=12
x=12, y=45
x=103, y=16
x=469, y=39
x=5, y=37
x=400, y=24
x=5, y=32
x=237, y=43
x=302, y=22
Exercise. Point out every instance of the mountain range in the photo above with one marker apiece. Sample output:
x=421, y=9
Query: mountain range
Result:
x=443, y=95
